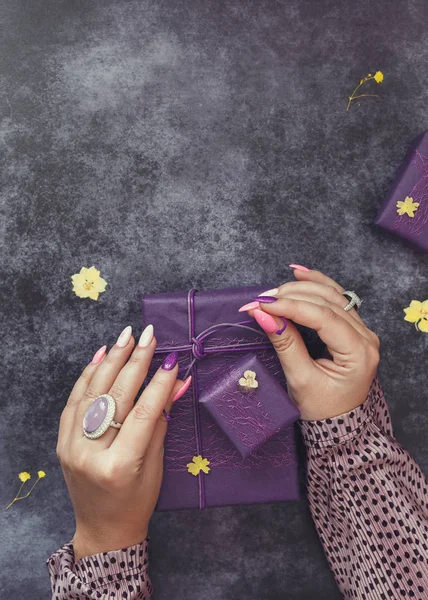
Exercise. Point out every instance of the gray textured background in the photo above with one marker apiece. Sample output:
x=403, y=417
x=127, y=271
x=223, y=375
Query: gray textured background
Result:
x=205, y=143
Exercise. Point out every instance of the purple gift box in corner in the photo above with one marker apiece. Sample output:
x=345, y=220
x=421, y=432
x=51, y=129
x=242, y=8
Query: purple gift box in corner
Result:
x=203, y=328
x=410, y=186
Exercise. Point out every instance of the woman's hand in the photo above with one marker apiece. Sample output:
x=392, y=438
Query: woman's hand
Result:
x=114, y=480
x=321, y=388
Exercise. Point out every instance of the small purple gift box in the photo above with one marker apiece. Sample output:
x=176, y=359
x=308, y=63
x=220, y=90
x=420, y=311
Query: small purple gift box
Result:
x=208, y=332
x=405, y=208
x=249, y=405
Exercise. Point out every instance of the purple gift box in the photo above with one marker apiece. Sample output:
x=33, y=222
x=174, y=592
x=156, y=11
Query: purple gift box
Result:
x=210, y=336
x=248, y=404
x=410, y=186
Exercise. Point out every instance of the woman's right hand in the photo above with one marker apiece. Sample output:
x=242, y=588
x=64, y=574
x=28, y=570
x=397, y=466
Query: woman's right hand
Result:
x=321, y=388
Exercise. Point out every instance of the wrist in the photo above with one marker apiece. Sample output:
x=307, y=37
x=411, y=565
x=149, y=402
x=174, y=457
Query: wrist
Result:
x=331, y=410
x=323, y=433
x=87, y=542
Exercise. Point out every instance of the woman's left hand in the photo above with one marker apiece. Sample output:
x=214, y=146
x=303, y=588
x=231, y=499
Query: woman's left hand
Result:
x=114, y=480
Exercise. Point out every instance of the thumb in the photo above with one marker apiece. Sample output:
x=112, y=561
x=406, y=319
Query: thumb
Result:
x=289, y=346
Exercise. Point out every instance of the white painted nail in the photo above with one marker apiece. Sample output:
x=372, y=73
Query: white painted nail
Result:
x=124, y=337
x=146, y=337
x=270, y=292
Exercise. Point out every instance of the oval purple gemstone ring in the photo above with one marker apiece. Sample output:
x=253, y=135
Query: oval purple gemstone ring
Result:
x=99, y=417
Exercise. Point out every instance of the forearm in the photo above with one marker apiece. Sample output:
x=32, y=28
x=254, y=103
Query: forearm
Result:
x=369, y=501
x=115, y=574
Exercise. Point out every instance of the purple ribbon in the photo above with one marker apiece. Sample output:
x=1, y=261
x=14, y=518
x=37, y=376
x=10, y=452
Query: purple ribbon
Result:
x=199, y=351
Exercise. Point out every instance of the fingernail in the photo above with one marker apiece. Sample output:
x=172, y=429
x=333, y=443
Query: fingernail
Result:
x=146, y=337
x=170, y=361
x=283, y=327
x=249, y=306
x=166, y=415
x=268, y=323
x=183, y=389
x=124, y=337
x=272, y=292
x=98, y=356
x=299, y=267
x=266, y=299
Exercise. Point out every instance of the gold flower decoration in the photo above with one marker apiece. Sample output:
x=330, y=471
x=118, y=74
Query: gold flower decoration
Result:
x=417, y=313
x=23, y=477
x=249, y=380
x=408, y=207
x=88, y=283
x=378, y=76
x=198, y=464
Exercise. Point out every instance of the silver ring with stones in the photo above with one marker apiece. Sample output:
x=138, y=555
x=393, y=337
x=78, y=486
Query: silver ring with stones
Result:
x=354, y=300
x=100, y=416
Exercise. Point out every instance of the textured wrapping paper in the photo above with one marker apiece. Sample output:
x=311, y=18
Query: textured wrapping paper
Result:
x=411, y=181
x=251, y=413
x=269, y=474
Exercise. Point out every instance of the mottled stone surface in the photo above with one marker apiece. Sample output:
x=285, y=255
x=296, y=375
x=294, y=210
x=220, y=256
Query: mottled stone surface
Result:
x=177, y=144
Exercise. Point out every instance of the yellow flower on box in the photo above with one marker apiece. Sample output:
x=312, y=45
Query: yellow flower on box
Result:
x=249, y=380
x=88, y=283
x=417, y=313
x=408, y=207
x=198, y=464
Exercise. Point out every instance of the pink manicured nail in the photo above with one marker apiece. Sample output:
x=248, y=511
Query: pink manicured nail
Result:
x=183, y=389
x=98, y=356
x=299, y=267
x=249, y=306
x=266, y=322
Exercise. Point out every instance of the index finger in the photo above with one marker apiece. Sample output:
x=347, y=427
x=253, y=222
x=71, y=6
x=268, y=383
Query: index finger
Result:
x=339, y=335
x=137, y=430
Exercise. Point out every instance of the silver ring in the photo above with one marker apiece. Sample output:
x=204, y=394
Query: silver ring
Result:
x=354, y=300
x=100, y=416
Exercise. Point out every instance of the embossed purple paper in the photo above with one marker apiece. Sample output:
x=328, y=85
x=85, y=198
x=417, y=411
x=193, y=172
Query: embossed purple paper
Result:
x=268, y=475
x=249, y=416
x=411, y=180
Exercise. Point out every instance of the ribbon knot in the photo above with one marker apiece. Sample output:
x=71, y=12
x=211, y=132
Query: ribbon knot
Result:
x=198, y=348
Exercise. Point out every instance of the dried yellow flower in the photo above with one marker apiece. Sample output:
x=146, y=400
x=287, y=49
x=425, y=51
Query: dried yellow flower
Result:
x=198, y=464
x=417, y=313
x=249, y=380
x=23, y=477
x=378, y=77
x=88, y=283
x=408, y=207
